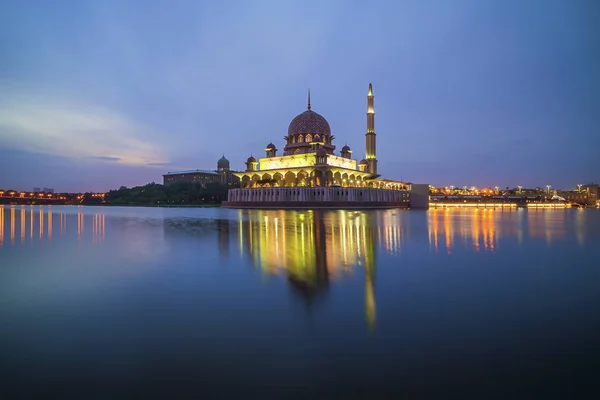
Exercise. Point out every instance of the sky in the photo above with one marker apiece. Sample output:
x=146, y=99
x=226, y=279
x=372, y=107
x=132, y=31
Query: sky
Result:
x=95, y=95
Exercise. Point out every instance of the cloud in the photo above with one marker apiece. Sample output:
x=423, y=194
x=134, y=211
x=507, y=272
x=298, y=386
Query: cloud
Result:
x=159, y=164
x=105, y=158
x=64, y=127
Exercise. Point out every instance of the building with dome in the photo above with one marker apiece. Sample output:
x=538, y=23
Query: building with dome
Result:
x=222, y=175
x=309, y=173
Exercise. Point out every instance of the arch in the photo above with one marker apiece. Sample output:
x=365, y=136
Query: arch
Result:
x=255, y=179
x=317, y=138
x=344, y=180
x=318, y=178
x=302, y=178
x=351, y=180
x=246, y=181
x=297, y=151
x=337, y=177
x=309, y=137
x=265, y=180
x=278, y=179
x=328, y=178
x=300, y=138
x=290, y=179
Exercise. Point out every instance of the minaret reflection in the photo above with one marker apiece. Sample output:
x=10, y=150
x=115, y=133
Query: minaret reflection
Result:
x=312, y=248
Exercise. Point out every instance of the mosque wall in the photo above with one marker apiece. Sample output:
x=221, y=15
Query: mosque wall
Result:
x=317, y=195
x=295, y=160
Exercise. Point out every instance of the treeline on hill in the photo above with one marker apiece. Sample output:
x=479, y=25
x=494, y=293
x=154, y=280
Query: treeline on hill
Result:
x=174, y=194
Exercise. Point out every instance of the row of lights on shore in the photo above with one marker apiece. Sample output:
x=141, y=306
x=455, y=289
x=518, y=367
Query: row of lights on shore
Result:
x=32, y=195
x=474, y=190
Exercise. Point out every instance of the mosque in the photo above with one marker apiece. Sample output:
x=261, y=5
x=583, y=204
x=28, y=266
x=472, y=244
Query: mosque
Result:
x=310, y=175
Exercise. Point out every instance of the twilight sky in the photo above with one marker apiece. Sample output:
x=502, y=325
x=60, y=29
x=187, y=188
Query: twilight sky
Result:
x=99, y=94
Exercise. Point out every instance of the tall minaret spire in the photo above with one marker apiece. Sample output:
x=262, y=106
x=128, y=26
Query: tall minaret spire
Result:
x=371, y=155
x=308, y=99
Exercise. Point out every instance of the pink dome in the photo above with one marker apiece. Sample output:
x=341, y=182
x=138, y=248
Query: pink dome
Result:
x=309, y=122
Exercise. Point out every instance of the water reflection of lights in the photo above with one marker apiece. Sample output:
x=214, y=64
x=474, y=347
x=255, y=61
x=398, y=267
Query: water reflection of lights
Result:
x=30, y=222
x=41, y=213
x=97, y=228
x=49, y=222
x=482, y=230
x=547, y=224
x=63, y=223
x=23, y=224
x=40, y=220
x=312, y=247
x=80, y=223
x=12, y=225
x=448, y=223
x=1, y=225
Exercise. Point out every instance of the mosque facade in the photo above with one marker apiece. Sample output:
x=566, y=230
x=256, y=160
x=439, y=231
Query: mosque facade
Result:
x=309, y=173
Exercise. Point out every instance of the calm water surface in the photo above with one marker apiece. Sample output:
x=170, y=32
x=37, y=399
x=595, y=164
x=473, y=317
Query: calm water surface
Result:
x=118, y=302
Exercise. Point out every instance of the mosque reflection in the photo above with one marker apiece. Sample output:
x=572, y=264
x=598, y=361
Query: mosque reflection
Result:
x=39, y=222
x=312, y=248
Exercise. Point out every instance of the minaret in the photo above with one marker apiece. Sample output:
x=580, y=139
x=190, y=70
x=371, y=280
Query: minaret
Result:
x=371, y=146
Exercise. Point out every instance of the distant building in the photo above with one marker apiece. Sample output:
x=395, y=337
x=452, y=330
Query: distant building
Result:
x=48, y=190
x=587, y=194
x=593, y=191
x=222, y=175
x=36, y=189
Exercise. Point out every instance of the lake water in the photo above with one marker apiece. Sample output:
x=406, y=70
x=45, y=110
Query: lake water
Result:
x=99, y=302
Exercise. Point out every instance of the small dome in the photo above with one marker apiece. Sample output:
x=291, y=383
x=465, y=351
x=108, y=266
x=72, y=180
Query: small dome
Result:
x=271, y=146
x=223, y=162
x=309, y=122
x=364, y=162
x=251, y=159
x=321, y=152
x=346, y=148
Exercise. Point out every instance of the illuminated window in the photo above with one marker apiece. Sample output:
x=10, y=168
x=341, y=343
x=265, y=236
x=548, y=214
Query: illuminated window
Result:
x=309, y=138
x=300, y=139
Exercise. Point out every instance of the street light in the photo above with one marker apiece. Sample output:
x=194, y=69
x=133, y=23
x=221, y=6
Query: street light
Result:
x=579, y=187
x=520, y=189
x=497, y=187
x=548, y=186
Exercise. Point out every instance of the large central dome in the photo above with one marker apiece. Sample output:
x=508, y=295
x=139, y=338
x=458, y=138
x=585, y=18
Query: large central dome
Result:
x=309, y=122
